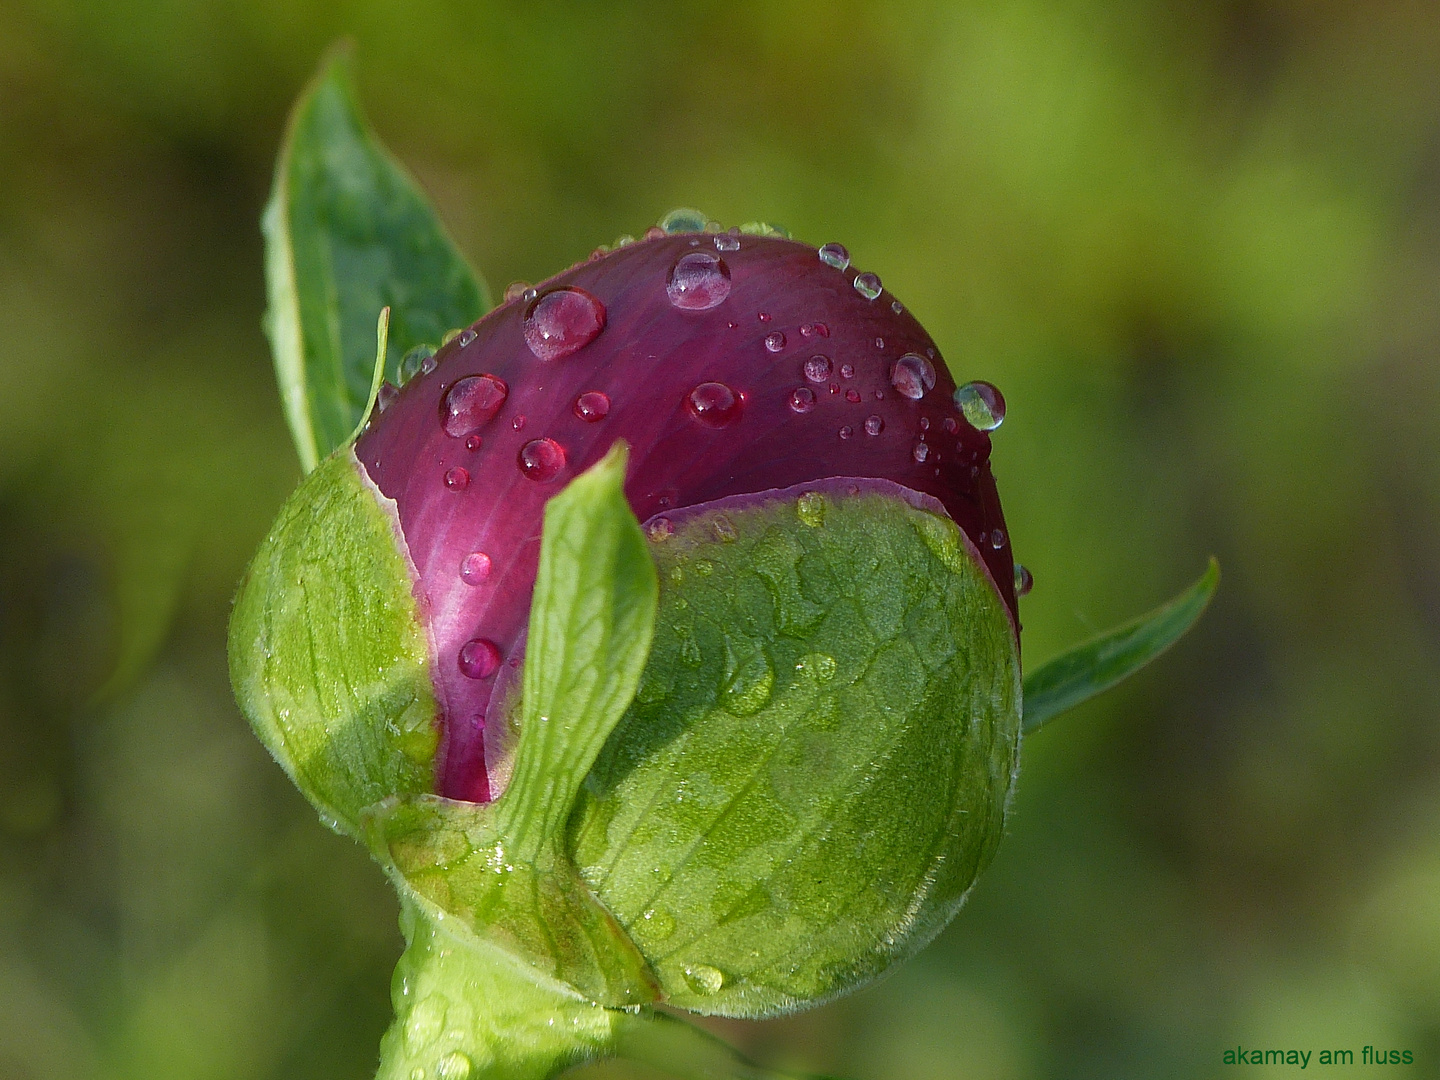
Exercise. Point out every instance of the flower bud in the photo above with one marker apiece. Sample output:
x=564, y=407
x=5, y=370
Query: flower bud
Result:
x=816, y=763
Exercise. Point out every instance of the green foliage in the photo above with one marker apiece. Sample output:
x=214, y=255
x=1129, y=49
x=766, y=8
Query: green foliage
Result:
x=1095, y=666
x=327, y=654
x=347, y=232
x=817, y=762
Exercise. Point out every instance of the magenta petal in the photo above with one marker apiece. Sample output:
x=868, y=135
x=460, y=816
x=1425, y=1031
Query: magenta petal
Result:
x=709, y=410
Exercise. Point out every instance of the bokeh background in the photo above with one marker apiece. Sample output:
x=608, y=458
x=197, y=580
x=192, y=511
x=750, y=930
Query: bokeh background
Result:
x=1196, y=242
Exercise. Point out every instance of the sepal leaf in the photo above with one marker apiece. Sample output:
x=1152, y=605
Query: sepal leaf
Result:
x=1095, y=666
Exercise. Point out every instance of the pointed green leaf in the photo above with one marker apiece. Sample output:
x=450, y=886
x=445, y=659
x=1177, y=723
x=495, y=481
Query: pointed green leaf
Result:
x=1098, y=664
x=347, y=232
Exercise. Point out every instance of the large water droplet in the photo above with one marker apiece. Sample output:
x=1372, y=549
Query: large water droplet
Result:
x=475, y=568
x=802, y=400
x=835, y=255
x=982, y=405
x=698, y=281
x=912, y=375
x=471, y=404
x=774, y=341
x=817, y=368
x=457, y=479
x=411, y=364
x=1024, y=581
x=868, y=285
x=562, y=322
x=714, y=404
x=541, y=459
x=874, y=425
x=592, y=406
x=454, y=1066
x=479, y=658
x=704, y=979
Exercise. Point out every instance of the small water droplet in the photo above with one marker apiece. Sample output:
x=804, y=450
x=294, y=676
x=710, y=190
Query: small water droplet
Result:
x=471, y=403
x=654, y=232
x=817, y=368
x=982, y=405
x=924, y=424
x=774, y=341
x=997, y=539
x=834, y=388
x=425, y=1023
x=846, y=431
x=879, y=343
x=475, y=568
x=868, y=285
x=879, y=395
x=727, y=242
x=912, y=375
x=411, y=364
x=683, y=220
x=874, y=425
x=518, y=424
x=811, y=509
x=1024, y=581
x=724, y=529
x=802, y=400
x=853, y=396
x=479, y=658
x=562, y=322
x=920, y=451
x=541, y=459
x=457, y=479
x=835, y=255
x=473, y=442
x=465, y=338
x=820, y=665
x=660, y=529
x=748, y=689
x=659, y=923
x=592, y=406
x=704, y=979
x=698, y=281
x=896, y=306
x=847, y=371
x=454, y=1066
x=386, y=396
x=950, y=424
x=515, y=290
x=763, y=316
x=714, y=404
x=417, y=1073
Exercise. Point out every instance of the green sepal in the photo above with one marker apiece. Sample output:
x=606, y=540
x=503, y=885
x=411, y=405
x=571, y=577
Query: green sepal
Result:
x=817, y=762
x=1093, y=667
x=347, y=232
x=328, y=657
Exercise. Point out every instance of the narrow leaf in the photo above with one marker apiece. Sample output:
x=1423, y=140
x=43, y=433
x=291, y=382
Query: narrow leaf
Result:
x=1098, y=664
x=591, y=623
x=347, y=231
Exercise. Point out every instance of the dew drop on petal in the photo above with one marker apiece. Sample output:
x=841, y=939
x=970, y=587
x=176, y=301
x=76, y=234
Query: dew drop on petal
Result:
x=515, y=290
x=457, y=479
x=774, y=341
x=982, y=405
x=846, y=431
x=997, y=539
x=950, y=424
x=817, y=368
x=562, y=322
x=471, y=404
x=518, y=424
x=714, y=404
x=541, y=459
x=473, y=442
x=465, y=338
x=853, y=396
x=896, y=306
x=698, y=281
x=479, y=658
x=912, y=375
x=1024, y=581
x=835, y=255
x=412, y=363
x=727, y=242
x=386, y=397
x=879, y=343
x=920, y=451
x=868, y=285
x=704, y=979
x=802, y=400
x=847, y=371
x=475, y=568
x=455, y=1066
x=924, y=424
x=592, y=406
x=874, y=425
x=660, y=529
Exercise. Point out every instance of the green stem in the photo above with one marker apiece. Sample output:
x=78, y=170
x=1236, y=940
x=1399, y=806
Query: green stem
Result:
x=685, y=1051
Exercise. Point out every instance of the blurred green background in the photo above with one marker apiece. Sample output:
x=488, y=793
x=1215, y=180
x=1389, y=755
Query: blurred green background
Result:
x=1197, y=243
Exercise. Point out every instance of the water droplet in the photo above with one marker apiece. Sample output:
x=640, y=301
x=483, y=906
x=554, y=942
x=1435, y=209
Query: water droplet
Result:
x=465, y=338
x=660, y=529
x=846, y=431
x=727, y=242
x=479, y=658
x=475, y=568
x=454, y=1066
x=874, y=425
x=471, y=404
x=457, y=479
x=473, y=442
x=818, y=329
x=920, y=451
x=821, y=665
x=763, y=316
x=950, y=424
x=853, y=396
x=774, y=341
x=896, y=306
x=811, y=509
x=724, y=529
x=817, y=368
x=912, y=375
x=704, y=979
x=924, y=424
x=835, y=255
x=425, y=1023
x=659, y=923
x=411, y=363
x=417, y=1073
x=541, y=459
x=592, y=406
x=684, y=220
x=834, y=388
x=562, y=322
x=847, y=371
x=386, y=396
x=654, y=232
x=982, y=405
x=714, y=404
x=802, y=400
x=868, y=285
x=518, y=424
x=698, y=281
x=879, y=395
x=428, y=364
x=997, y=539
x=1024, y=581
x=515, y=290
x=879, y=343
